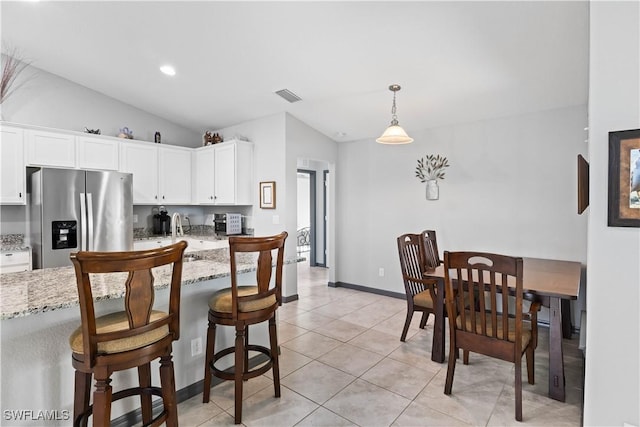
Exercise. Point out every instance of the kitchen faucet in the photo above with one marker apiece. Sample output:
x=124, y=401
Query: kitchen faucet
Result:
x=176, y=226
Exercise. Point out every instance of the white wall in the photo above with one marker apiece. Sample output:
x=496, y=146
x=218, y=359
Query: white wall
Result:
x=44, y=99
x=612, y=357
x=511, y=188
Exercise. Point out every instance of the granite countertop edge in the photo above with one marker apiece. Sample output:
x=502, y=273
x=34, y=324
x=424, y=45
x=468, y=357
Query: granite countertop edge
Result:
x=30, y=292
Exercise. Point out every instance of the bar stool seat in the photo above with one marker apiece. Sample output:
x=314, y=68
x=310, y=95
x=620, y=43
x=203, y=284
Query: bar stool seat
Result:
x=131, y=338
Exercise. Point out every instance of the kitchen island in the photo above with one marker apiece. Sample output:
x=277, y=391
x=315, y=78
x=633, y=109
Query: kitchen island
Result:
x=39, y=312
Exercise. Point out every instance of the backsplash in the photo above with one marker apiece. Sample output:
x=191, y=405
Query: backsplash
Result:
x=194, y=230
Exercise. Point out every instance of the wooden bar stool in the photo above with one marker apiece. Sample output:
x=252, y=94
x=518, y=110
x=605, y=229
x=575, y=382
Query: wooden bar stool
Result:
x=241, y=306
x=131, y=338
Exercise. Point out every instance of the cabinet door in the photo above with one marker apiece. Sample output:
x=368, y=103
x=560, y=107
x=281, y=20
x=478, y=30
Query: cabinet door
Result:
x=50, y=149
x=97, y=153
x=141, y=160
x=225, y=174
x=174, y=175
x=12, y=176
x=203, y=161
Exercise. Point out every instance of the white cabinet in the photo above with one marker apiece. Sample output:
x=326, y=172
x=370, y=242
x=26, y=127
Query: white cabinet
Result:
x=12, y=175
x=203, y=188
x=223, y=173
x=101, y=153
x=174, y=174
x=141, y=160
x=47, y=148
x=161, y=174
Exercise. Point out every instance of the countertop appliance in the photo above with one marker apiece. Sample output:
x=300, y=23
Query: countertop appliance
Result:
x=228, y=223
x=72, y=210
x=161, y=221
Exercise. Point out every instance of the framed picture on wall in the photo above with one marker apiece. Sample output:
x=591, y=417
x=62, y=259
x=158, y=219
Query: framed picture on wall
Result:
x=268, y=195
x=624, y=178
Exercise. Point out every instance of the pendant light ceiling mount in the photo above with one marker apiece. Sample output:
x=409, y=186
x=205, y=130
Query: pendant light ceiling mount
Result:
x=394, y=134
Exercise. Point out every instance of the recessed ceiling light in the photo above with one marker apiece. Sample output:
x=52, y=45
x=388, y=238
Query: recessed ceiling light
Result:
x=168, y=70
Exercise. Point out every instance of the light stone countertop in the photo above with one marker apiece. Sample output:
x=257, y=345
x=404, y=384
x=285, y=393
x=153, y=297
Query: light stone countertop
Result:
x=39, y=291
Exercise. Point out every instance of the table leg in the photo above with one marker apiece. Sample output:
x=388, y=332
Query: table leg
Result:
x=437, y=347
x=556, y=362
x=567, y=327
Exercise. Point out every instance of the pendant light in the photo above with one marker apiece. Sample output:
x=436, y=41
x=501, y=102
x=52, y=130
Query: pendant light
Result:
x=394, y=134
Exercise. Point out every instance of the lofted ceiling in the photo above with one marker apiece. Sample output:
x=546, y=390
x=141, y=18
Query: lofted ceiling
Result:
x=456, y=61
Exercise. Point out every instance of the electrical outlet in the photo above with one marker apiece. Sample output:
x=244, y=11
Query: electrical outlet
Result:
x=196, y=346
x=381, y=272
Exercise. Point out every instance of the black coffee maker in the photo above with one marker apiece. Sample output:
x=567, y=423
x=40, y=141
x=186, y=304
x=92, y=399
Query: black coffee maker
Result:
x=162, y=222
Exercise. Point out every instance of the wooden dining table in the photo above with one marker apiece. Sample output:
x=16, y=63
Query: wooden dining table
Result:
x=548, y=281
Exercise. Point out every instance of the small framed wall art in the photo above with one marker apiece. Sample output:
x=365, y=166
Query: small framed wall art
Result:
x=624, y=178
x=268, y=195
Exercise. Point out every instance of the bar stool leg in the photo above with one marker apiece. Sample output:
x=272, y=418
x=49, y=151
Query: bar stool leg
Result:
x=275, y=365
x=144, y=379
x=238, y=371
x=102, y=399
x=168, y=385
x=82, y=394
x=211, y=340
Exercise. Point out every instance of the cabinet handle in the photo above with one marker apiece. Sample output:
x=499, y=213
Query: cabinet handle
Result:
x=162, y=197
x=20, y=195
x=156, y=197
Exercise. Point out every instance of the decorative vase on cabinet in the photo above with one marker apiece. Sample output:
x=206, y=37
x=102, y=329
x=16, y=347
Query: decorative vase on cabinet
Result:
x=433, y=191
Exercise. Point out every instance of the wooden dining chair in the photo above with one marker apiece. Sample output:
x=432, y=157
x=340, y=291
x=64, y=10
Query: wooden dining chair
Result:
x=420, y=292
x=130, y=338
x=241, y=306
x=492, y=327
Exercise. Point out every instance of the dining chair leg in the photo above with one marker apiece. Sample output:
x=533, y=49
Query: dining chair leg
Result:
x=168, y=385
x=144, y=379
x=275, y=364
x=425, y=318
x=451, y=367
x=208, y=360
x=407, y=322
x=465, y=357
x=82, y=394
x=518, y=387
x=238, y=370
x=102, y=399
x=531, y=363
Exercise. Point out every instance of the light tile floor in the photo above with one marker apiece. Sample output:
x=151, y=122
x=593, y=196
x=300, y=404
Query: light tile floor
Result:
x=343, y=364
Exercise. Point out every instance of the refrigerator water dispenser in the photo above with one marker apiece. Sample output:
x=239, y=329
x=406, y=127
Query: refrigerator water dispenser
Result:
x=64, y=234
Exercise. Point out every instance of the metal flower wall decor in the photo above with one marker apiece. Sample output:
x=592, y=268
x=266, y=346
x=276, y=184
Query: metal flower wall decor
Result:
x=431, y=167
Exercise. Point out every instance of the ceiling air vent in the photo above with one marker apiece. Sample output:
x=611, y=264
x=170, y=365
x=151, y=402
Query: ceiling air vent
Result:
x=288, y=95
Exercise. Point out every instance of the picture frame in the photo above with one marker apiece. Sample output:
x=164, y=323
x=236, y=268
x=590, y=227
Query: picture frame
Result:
x=268, y=195
x=624, y=179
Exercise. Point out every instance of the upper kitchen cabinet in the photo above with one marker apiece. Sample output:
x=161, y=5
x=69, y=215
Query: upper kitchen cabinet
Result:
x=161, y=174
x=141, y=160
x=223, y=173
x=174, y=179
x=12, y=176
x=94, y=152
x=49, y=148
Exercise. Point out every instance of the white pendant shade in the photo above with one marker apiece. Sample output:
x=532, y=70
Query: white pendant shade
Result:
x=394, y=134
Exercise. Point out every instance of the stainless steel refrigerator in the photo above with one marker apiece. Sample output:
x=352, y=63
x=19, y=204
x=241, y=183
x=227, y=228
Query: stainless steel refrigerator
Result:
x=72, y=210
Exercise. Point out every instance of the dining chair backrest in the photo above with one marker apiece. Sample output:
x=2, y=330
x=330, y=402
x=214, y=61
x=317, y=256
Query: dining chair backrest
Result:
x=411, y=252
x=431, y=255
x=482, y=310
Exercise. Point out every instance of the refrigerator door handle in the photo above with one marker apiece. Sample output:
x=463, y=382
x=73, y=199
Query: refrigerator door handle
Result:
x=83, y=225
x=90, y=220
